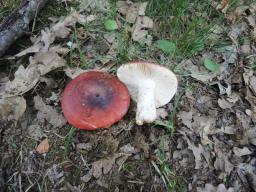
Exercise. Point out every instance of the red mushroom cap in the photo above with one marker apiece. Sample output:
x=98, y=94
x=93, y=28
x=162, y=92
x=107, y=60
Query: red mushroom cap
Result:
x=95, y=100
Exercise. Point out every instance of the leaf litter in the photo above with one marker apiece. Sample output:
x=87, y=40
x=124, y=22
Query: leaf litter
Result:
x=213, y=147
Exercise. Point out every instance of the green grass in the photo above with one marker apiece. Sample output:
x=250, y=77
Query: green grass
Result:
x=7, y=6
x=169, y=124
x=172, y=181
x=184, y=22
x=68, y=140
x=53, y=8
x=81, y=55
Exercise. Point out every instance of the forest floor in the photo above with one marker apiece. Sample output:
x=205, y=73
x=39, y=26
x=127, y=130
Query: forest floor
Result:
x=203, y=140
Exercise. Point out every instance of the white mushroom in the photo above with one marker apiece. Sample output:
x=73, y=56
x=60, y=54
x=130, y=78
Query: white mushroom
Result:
x=150, y=85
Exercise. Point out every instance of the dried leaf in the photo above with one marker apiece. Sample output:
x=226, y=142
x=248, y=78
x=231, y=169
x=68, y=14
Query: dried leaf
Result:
x=33, y=49
x=140, y=28
x=35, y=131
x=55, y=175
x=197, y=72
x=26, y=78
x=140, y=143
x=131, y=10
x=86, y=178
x=186, y=118
x=247, y=173
x=241, y=151
x=43, y=147
x=202, y=125
x=103, y=166
x=12, y=108
x=60, y=50
x=224, y=104
x=128, y=149
x=48, y=113
x=162, y=113
x=206, y=126
x=84, y=146
x=210, y=188
x=58, y=30
x=73, y=72
x=223, y=89
x=135, y=13
x=99, y=5
x=47, y=62
x=222, y=162
x=197, y=151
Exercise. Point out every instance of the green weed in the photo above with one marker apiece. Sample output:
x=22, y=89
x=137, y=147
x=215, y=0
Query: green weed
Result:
x=127, y=167
x=53, y=9
x=68, y=140
x=7, y=6
x=169, y=125
x=173, y=182
x=184, y=22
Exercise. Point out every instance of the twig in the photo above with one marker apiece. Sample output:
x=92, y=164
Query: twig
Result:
x=136, y=182
x=17, y=23
x=159, y=172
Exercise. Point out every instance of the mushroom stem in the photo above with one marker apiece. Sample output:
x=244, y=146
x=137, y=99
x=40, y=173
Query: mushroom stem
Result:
x=146, y=108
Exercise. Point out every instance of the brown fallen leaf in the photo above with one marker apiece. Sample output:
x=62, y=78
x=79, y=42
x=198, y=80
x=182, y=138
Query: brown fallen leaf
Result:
x=95, y=5
x=222, y=162
x=186, y=118
x=224, y=104
x=47, y=61
x=131, y=10
x=43, y=147
x=210, y=188
x=247, y=174
x=58, y=30
x=140, y=28
x=35, y=131
x=140, y=143
x=12, y=108
x=128, y=149
x=241, y=151
x=103, y=166
x=73, y=72
x=162, y=113
x=197, y=71
x=197, y=151
x=199, y=124
x=135, y=13
x=55, y=174
x=48, y=113
x=26, y=78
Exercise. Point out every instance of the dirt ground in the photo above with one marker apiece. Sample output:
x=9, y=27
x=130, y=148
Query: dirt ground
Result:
x=204, y=140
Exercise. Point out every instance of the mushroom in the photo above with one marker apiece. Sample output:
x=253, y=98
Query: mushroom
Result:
x=95, y=100
x=150, y=85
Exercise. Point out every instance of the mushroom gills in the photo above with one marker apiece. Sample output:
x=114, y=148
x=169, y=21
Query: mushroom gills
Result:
x=146, y=107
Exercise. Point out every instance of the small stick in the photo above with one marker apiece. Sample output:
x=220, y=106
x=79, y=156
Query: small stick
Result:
x=17, y=23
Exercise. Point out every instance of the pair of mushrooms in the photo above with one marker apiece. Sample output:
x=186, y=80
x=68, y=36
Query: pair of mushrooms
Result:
x=97, y=99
